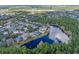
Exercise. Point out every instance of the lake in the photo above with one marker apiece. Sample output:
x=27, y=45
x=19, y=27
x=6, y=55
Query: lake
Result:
x=34, y=43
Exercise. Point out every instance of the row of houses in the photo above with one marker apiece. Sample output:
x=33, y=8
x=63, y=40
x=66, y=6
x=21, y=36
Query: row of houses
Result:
x=6, y=16
x=19, y=30
x=67, y=13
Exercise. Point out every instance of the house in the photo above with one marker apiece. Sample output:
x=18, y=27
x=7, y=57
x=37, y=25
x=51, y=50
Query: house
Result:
x=12, y=27
x=7, y=27
x=42, y=29
x=2, y=29
x=0, y=26
x=35, y=33
x=15, y=32
x=25, y=36
x=9, y=42
x=5, y=33
x=33, y=26
x=8, y=23
x=19, y=38
x=25, y=29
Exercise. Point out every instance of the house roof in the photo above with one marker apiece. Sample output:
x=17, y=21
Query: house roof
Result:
x=19, y=38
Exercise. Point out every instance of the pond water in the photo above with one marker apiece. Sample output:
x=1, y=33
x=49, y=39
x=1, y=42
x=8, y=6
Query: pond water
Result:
x=34, y=43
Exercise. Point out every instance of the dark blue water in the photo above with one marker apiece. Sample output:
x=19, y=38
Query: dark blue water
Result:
x=34, y=43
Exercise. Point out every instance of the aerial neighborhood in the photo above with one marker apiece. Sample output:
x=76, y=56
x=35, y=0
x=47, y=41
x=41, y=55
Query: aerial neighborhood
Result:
x=39, y=29
x=14, y=30
x=18, y=27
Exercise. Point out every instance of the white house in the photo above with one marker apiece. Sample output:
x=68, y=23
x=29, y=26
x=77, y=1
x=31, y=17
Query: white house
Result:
x=5, y=33
x=42, y=29
x=25, y=36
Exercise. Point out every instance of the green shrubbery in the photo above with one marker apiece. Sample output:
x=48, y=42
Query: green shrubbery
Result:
x=43, y=49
